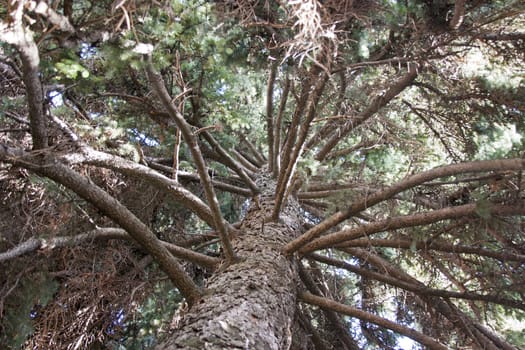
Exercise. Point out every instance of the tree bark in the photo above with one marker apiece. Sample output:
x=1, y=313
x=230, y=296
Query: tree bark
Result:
x=249, y=304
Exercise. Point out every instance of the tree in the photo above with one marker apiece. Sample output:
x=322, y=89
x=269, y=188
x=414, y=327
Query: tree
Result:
x=305, y=174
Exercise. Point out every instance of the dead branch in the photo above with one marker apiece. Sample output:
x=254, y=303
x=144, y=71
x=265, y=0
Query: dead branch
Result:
x=459, y=319
x=270, y=127
x=45, y=244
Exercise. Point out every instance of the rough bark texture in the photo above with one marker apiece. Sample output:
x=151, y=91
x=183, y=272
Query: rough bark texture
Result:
x=250, y=304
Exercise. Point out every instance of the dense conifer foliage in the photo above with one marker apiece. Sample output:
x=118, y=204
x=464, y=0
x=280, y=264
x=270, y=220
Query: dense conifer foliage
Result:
x=262, y=174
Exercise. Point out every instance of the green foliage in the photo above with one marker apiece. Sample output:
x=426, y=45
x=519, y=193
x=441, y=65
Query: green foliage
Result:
x=388, y=162
x=151, y=319
x=497, y=141
x=466, y=103
x=34, y=292
x=71, y=69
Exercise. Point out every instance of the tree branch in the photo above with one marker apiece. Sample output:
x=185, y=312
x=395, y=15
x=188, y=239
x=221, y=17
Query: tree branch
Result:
x=270, y=127
x=51, y=167
x=195, y=178
x=102, y=234
x=459, y=15
x=52, y=16
x=398, y=222
x=463, y=322
x=332, y=317
x=377, y=103
x=158, y=86
x=124, y=166
x=368, y=201
x=234, y=165
x=293, y=150
x=298, y=113
x=504, y=36
x=248, y=166
x=417, y=288
x=328, y=304
x=436, y=246
x=255, y=152
x=17, y=34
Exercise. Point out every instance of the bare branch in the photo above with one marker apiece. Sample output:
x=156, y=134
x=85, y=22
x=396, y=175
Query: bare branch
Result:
x=195, y=178
x=325, y=303
x=239, y=170
x=17, y=34
x=248, y=166
x=417, y=288
x=260, y=159
x=504, y=36
x=312, y=332
x=157, y=83
x=469, y=327
x=429, y=124
x=377, y=103
x=368, y=201
x=332, y=316
x=21, y=249
x=176, y=154
x=367, y=144
x=249, y=157
x=112, y=208
x=277, y=129
x=52, y=16
x=501, y=255
x=398, y=222
x=459, y=15
x=270, y=127
x=34, y=244
x=124, y=166
x=293, y=128
x=295, y=144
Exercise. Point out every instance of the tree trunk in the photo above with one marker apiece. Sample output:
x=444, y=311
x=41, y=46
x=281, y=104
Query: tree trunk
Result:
x=249, y=304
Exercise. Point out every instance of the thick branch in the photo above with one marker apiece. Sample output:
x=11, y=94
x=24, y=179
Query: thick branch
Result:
x=325, y=303
x=112, y=208
x=459, y=14
x=277, y=128
x=124, y=166
x=504, y=36
x=501, y=254
x=34, y=244
x=398, y=222
x=270, y=127
x=370, y=200
x=22, y=38
x=158, y=86
x=52, y=16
